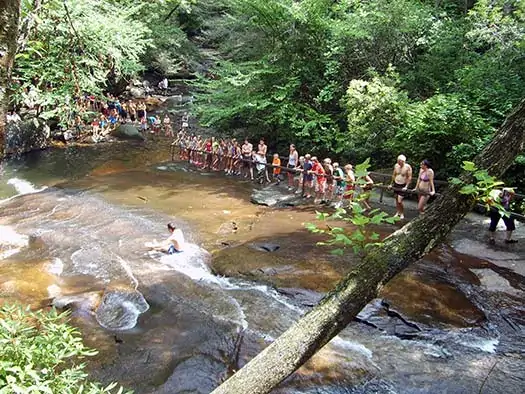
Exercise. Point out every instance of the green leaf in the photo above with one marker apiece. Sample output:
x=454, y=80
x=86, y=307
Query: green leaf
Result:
x=360, y=220
x=469, y=166
x=469, y=189
x=373, y=237
x=337, y=252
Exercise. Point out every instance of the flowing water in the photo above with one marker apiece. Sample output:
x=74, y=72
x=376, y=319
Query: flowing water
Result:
x=73, y=223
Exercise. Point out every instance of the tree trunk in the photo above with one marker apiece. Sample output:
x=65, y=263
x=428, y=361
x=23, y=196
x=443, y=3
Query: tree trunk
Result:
x=295, y=346
x=9, y=19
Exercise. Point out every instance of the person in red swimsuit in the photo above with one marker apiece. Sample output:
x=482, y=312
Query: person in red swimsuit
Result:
x=320, y=184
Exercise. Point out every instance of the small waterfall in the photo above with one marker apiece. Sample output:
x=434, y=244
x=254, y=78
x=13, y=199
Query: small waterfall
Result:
x=22, y=187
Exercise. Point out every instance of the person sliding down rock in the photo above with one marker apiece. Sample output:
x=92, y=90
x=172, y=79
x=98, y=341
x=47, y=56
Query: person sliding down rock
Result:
x=173, y=244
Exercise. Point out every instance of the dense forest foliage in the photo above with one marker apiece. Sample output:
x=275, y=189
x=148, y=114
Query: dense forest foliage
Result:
x=356, y=79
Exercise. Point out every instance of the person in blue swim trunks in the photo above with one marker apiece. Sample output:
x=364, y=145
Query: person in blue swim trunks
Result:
x=173, y=244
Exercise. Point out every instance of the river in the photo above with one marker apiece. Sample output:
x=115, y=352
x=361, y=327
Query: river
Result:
x=73, y=224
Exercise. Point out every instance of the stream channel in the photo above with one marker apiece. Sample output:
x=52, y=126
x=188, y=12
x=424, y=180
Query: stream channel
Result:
x=73, y=223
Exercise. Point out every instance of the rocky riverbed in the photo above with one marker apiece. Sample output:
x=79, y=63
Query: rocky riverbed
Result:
x=443, y=324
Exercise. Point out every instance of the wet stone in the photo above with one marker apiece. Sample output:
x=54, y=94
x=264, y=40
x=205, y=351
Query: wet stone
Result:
x=378, y=314
x=127, y=131
x=273, y=196
x=266, y=247
x=308, y=298
x=85, y=302
x=120, y=309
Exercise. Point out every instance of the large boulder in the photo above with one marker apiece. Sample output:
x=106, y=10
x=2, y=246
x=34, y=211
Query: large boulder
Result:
x=26, y=136
x=275, y=196
x=137, y=92
x=128, y=132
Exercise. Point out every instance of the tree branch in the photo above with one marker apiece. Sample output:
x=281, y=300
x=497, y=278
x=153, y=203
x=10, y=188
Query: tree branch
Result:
x=73, y=26
x=171, y=12
x=28, y=24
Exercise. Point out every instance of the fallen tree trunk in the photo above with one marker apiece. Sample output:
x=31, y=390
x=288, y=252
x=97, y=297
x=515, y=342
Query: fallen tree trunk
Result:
x=9, y=20
x=405, y=246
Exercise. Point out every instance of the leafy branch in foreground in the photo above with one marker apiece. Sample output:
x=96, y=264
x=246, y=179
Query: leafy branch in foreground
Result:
x=40, y=353
x=483, y=187
x=362, y=236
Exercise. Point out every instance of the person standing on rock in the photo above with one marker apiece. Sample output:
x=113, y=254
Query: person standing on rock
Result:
x=348, y=194
x=185, y=121
x=246, y=150
x=293, y=163
x=424, y=185
x=262, y=148
x=503, y=197
x=340, y=184
x=308, y=177
x=401, y=178
x=276, y=163
x=163, y=86
x=168, y=132
x=141, y=110
x=320, y=180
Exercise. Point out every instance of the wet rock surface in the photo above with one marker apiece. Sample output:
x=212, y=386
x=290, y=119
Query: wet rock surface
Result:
x=119, y=309
x=447, y=313
x=266, y=247
x=276, y=196
x=127, y=131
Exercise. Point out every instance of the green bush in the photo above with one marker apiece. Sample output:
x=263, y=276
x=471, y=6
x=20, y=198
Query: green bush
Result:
x=40, y=353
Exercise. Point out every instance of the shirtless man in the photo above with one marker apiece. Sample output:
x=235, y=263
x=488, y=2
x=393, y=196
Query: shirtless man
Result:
x=174, y=243
x=401, y=178
x=263, y=148
x=246, y=150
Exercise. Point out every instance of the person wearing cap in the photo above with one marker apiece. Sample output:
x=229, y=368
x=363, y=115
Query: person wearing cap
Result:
x=401, y=178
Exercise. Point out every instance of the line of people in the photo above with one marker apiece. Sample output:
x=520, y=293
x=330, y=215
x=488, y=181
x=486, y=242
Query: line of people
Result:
x=327, y=182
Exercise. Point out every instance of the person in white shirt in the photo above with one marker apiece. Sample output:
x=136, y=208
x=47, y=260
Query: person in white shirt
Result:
x=173, y=244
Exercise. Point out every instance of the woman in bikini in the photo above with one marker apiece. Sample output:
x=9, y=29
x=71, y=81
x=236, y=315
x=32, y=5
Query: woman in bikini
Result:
x=293, y=163
x=424, y=185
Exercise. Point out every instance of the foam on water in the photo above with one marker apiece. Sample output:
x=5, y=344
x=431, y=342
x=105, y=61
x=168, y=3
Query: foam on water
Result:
x=22, y=187
x=485, y=345
x=190, y=262
x=11, y=242
x=55, y=267
x=351, y=346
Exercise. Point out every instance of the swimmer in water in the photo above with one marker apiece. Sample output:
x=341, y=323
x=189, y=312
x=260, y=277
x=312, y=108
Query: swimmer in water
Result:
x=173, y=244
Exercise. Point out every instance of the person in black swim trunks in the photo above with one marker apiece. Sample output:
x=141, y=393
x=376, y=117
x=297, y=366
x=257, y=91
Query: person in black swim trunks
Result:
x=401, y=178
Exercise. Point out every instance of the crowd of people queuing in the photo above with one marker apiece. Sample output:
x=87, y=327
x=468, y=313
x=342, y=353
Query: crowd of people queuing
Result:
x=108, y=114
x=326, y=181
